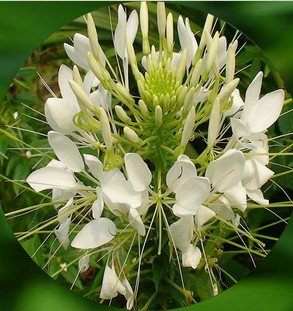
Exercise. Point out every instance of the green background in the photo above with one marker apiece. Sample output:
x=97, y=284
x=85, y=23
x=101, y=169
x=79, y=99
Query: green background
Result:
x=23, y=27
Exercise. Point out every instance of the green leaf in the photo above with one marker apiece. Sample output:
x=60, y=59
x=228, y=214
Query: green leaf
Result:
x=158, y=268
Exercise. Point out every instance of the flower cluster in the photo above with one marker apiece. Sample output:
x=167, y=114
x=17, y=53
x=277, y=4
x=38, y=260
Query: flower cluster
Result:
x=127, y=179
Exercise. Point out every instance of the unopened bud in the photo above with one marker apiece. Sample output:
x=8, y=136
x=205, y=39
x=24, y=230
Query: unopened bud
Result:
x=212, y=53
x=214, y=122
x=228, y=89
x=230, y=63
x=196, y=73
x=122, y=90
x=97, y=68
x=170, y=32
x=106, y=129
x=156, y=101
x=130, y=52
x=159, y=115
x=131, y=135
x=93, y=36
x=81, y=95
x=143, y=108
x=188, y=127
x=189, y=100
x=161, y=18
x=144, y=25
x=76, y=76
x=121, y=114
x=206, y=29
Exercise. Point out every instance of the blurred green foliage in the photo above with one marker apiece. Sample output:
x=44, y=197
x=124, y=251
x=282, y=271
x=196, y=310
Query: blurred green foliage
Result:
x=27, y=91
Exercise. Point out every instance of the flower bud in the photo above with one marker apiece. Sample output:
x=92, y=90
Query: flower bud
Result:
x=131, y=135
x=156, y=101
x=93, y=36
x=143, y=108
x=76, y=76
x=130, y=52
x=81, y=95
x=189, y=100
x=212, y=53
x=206, y=29
x=97, y=68
x=170, y=34
x=230, y=63
x=188, y=127
x=228, y=89
x=196, y=73
x=106, y=129
x=159, y=115
x=214, y=123
x=161, y=19
x=121, y=114
x=144, y=25
x=121, y=90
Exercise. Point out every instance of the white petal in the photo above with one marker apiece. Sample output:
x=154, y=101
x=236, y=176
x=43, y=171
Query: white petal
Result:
x=62, y=232
x=129, y=295
x=65, y=211
x=222, y=208
x=95, y=166
x=226, y=171
x=193, y=192
x=203, y=215
x=266, y=111
x=83, y=263
x=132, y=25
x=191, y=257
x=187, y=39
x=181, y=232
x=122, y=192
x=60, y=114
x=237, y=197
x=98, y=205
x=182, y=170
x=222, y=52
x=136, y=222
x=64, y=75
x=111, y=284
x=112, y=175
x=66, y=151
x=255, y=174
x=120, y=33
x=181, y=211
x=51, y=177
x=137, y=171
x=95, y=234
x=239, y=128
x=90, y=81
x=257, y=196
x=252, y=96
x=237, y=104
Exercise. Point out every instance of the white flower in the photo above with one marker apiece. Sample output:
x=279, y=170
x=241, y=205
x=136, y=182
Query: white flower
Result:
x=77, y=53
x=258, y=113
x=182, y=179
x=191, y=257
x=129, y=197
x=111, y=285
x=225, y=175
x=60, y=112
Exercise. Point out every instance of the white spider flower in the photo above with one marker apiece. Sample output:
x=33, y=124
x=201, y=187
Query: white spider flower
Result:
x=258, y=113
